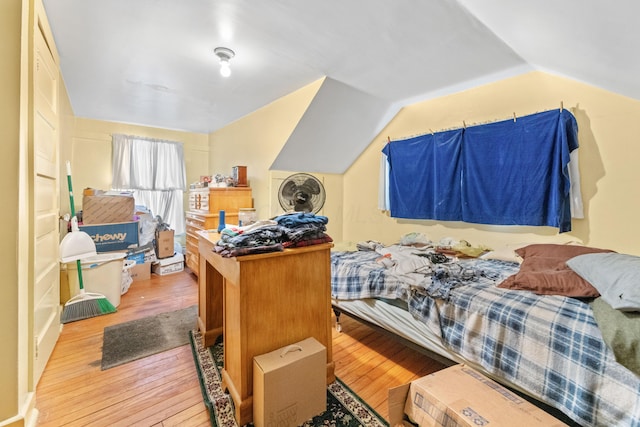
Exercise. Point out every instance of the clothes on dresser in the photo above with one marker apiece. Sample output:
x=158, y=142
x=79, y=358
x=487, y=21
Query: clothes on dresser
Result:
x=288, y=230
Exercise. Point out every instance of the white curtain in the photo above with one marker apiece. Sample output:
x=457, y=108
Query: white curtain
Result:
x=383, y=184
x=154, y=171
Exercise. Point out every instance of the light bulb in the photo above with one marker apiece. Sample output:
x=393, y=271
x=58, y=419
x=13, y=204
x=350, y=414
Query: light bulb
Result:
x=225, y=69
x=225, y=54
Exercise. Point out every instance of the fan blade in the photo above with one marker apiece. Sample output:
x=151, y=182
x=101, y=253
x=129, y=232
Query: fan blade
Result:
x=305, y=206
x=289, y=189
x=312, y=185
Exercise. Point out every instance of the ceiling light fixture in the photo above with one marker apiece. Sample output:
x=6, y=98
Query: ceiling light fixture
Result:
x=225, y=54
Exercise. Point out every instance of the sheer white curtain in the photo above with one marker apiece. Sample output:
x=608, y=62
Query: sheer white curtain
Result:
x=154, y=171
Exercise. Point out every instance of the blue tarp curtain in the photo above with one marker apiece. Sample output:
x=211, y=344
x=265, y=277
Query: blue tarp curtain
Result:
x=504, y=173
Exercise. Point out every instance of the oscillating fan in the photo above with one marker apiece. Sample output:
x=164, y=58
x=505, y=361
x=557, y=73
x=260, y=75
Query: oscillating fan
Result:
x=301, y=192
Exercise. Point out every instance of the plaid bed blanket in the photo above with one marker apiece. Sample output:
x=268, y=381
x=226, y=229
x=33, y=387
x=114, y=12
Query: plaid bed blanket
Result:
x=550, y=346
x=357, y=275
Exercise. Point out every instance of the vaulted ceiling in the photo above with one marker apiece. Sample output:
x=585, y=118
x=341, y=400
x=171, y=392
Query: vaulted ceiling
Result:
x=151, y=62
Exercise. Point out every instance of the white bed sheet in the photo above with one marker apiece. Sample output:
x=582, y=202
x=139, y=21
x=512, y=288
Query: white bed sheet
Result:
x=397, y=321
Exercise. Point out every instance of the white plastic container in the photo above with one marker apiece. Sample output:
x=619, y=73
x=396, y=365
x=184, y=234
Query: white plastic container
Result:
x=247, y=216
x=101, y=274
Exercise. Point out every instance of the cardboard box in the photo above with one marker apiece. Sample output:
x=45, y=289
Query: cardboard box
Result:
x=461, y=396
x=113, y=237
x=144, y=253
x=138, y=257
x=140, y=271
x=290, y=384
x=170, y=265
x=164, y=244
x=105, y=209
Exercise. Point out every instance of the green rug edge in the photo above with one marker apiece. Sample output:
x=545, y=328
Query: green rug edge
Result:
x=203, y=388
x=212, y=409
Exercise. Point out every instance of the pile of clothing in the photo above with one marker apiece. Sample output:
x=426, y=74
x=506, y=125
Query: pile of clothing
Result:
x=284, y=231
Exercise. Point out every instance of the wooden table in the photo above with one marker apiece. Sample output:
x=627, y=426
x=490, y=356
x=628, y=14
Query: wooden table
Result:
x=261, y=303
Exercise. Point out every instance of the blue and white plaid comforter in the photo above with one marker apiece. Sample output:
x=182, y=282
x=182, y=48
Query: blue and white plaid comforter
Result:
x=548, y=345
x=357, y=275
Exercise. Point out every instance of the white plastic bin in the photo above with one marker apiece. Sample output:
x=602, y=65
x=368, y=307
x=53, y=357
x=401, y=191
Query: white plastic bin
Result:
x=101, y=274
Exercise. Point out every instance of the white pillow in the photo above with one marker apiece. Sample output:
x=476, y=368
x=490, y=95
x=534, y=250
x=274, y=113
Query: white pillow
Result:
x=616, y=276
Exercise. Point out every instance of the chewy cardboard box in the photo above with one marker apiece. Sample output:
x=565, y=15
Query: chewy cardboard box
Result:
x=461, y=396
x=290, y=384
x=104, y=209
x=164, y=243
x=113, y=237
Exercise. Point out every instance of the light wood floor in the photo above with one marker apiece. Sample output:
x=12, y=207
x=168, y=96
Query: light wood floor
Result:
x=163, y=390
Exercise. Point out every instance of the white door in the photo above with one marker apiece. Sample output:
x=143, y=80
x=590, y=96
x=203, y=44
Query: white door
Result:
x=45, y=199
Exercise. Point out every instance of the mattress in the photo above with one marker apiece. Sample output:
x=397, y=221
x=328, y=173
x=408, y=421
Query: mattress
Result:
x=548, y=347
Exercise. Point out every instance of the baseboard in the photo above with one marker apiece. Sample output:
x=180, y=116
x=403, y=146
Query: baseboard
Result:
x=27, y=417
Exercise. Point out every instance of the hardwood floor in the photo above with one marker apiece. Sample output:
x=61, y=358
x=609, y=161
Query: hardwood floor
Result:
x=163, y=390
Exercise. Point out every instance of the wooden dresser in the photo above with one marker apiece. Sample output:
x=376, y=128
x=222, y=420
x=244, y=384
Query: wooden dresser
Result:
x=205, y=205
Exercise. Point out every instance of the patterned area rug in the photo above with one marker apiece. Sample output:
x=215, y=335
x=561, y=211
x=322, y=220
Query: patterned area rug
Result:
x=344, y=407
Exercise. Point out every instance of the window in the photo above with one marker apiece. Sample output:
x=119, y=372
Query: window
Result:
x=154, y=171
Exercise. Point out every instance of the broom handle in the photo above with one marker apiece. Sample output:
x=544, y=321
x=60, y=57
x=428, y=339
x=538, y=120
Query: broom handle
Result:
x=73, y=213
x=71, y=202
x=79, y=268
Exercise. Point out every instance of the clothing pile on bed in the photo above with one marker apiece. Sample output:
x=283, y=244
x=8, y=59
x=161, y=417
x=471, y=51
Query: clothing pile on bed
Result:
x=429, y=267
x=284, y=231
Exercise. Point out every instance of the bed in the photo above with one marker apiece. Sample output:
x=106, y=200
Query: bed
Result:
x=473, y=310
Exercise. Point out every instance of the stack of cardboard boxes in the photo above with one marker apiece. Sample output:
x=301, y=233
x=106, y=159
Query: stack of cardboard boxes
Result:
x=110, y=218
x=168, y=261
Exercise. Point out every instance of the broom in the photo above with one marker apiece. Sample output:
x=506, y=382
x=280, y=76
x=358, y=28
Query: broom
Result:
x=85, y=304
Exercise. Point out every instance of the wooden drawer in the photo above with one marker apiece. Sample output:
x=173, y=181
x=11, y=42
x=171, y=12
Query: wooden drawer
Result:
x=192, y=260
x=194, y=223
x=214, y=200
x=192, y=245
x=192, y=256
x=229, y=199
x=199, y=199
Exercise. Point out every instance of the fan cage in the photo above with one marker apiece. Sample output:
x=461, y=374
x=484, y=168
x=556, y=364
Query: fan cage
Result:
x=301, y=192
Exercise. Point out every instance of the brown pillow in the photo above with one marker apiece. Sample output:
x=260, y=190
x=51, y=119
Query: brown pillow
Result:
x=544, y=271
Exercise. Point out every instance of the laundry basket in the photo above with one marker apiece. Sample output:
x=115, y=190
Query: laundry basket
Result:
x=101, y=274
